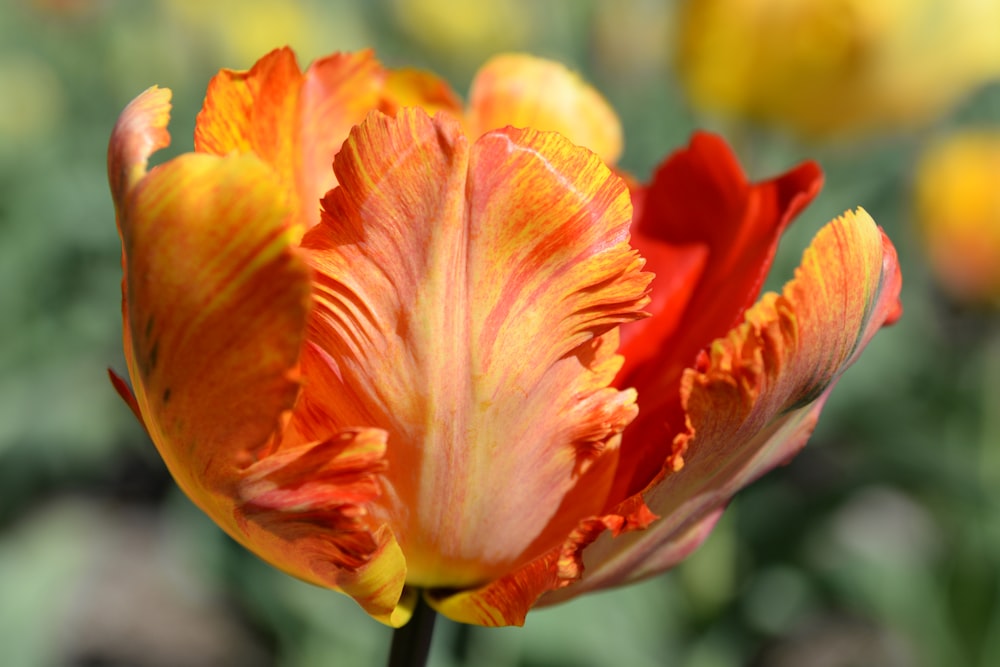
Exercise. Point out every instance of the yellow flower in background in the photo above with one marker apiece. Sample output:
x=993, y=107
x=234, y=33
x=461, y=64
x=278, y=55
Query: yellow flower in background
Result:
x=828, y=67
x=958, y=204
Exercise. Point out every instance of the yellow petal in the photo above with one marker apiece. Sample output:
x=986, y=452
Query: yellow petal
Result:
x=836, y=67
x=210, y=282
x=417, y=88
x=524, y=91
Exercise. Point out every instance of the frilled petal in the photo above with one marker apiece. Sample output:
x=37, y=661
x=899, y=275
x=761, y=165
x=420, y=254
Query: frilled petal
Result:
x=524, y=91
x=755, y=395
x=709, y=236
x=466, y=300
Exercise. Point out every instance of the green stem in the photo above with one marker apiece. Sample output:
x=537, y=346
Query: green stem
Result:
x=411, y=643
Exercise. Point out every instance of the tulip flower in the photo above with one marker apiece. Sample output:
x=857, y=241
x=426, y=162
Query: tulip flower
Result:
x=958, y=203
x=827, y=68
x=440, y=368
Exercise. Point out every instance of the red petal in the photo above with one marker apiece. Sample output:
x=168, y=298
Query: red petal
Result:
x=709, y=236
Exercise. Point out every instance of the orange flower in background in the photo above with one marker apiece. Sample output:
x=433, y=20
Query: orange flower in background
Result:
x=958, y=204
x=834, y=67
x=440, y=367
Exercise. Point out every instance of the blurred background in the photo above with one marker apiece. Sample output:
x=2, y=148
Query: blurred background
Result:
x=878, y=545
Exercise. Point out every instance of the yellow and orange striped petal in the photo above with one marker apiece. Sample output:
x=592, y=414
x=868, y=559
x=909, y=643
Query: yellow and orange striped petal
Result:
x=466, y=303
x=198, y=286
x=216, y=301
x=755, y=396
x=525, y=91
x=211, y=281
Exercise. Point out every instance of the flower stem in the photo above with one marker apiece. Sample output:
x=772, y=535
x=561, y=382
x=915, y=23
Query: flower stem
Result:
x=411, y=643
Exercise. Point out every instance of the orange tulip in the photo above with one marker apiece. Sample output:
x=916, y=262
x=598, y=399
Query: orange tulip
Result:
x=428, y=382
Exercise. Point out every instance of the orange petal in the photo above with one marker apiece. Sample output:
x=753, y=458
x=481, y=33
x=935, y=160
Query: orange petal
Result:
x=293, y=121
x=524, y=91
x=461, y=300
x=324, y=485
x=755, y=396
x=253, y=111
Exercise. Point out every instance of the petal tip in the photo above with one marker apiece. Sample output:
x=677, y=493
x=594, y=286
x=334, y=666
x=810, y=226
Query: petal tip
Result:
x=140, y=131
